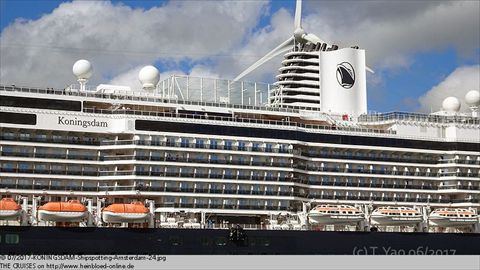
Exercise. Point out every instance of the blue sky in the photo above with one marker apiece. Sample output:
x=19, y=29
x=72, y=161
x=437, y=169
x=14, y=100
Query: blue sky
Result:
x=398, y=84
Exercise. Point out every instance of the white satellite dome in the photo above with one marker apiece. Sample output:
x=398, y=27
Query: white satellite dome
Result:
x=82, y=69
x=149, y=76
x=472, y=98
x=451, y=104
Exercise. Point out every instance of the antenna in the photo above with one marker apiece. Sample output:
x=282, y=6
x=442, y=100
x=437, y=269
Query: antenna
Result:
x=149, y=76
x=451, y=105
x=83, y=70
x=472, y=98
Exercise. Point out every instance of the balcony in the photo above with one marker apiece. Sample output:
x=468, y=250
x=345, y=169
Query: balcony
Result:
x=369, y=158
x=84, y=141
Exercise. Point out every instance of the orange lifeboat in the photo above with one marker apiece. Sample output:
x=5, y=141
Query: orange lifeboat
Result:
x=135, y=212
x=71, y=211
x=9, y=209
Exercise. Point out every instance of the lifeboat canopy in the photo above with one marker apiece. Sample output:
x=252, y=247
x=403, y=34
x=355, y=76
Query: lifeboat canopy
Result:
x=9, y=204
x=71, y=211
x=134, y=207
x=134, y=212
x=9, y=209
x=70, y=206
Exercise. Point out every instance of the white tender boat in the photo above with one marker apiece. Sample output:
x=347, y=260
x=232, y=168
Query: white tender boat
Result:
x=452, y=217
x=393, y=215
x=335, y=214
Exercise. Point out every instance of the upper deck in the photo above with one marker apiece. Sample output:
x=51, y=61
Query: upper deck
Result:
x=237, y=111
x=392, y=117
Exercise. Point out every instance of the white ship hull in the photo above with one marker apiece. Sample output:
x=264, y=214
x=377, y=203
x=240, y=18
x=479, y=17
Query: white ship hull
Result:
x=394, y=220
x=45, y=215
x=110, y=217
x=9, y=214
x=317, y=218
x=452, y=221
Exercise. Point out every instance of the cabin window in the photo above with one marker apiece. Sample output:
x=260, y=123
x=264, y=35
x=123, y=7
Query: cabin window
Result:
x=23, y=166
x=185, y=142
x=24, y=136
x=170, y=141
x=7, y=149
x=241, y=146
x=57, y=138
x=199, y=143
x=9, y=135
x=213, y=144
x=268, y=147
x=283, y=148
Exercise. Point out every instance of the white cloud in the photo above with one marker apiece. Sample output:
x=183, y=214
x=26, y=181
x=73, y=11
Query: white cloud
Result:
x=118, y=38
x=259, y=43
x=203, y=71
x=457, y=84
x=130, y=78
x=393, y=31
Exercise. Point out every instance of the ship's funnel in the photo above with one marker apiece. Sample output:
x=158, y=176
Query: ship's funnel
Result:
x=343, y=81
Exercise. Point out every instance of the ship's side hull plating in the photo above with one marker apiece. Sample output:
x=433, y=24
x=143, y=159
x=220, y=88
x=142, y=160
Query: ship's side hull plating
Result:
x=56, y=240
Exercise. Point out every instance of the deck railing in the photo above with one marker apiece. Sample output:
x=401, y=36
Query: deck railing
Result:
x=419, y=117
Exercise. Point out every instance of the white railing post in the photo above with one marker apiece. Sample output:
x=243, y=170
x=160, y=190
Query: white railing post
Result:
x=255, y=94
x=90, y=213
x=215, y=90
x=228, y=92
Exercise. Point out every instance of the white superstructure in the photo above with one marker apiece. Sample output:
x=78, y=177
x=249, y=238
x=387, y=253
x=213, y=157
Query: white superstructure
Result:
x=238, y=152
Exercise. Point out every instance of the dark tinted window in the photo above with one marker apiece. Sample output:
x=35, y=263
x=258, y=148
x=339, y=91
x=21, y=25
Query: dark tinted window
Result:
x=40, y=103
x=299, y=135
x=18, y=118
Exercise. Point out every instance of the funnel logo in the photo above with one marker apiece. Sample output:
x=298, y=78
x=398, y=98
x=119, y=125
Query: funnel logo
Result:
x=345, y=75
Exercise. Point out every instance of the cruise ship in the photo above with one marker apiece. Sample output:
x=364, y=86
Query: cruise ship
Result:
x=187, y=157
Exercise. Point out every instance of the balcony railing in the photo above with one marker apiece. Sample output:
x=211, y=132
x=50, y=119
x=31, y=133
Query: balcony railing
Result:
x=355, y=157
x=233, y=192
x=418, y=117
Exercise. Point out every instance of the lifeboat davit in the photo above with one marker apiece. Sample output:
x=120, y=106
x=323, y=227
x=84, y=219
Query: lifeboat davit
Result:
x=71, y=211
x=335, y=214
x=394, y=215
x=134, y=212
x=9, y=209
x=452, y=217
